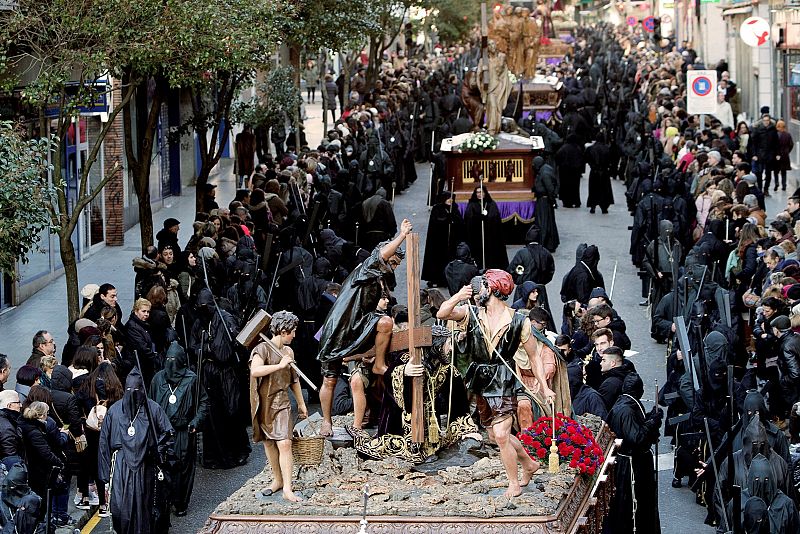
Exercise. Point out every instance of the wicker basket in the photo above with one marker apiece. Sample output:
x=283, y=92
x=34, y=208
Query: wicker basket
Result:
x=308, y=450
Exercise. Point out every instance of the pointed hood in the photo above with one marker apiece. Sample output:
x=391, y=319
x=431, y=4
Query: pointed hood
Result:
x=176, y=364
x=134, y=396
x=761, y=480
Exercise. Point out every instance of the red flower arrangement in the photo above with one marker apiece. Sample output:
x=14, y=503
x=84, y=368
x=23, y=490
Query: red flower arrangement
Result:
x=576, y=444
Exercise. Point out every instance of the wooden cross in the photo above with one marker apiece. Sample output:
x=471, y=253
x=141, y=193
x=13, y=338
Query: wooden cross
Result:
x=416, y=336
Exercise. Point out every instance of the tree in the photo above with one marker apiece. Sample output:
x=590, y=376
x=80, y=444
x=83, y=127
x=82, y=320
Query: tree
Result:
x=274, y=96
x=212, y=50
x=68, y=45
x=24, y=197
x=455, y=19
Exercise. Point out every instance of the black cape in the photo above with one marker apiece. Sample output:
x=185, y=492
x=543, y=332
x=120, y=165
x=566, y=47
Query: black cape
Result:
x=545, y=187
x=600, y=193
x=491, y=232
x=189, y=410
x=350, y=326
x=583, y=277
x=134, y=465
x=445, y=229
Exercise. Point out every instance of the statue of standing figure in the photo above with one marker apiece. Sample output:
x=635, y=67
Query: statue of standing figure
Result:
x=495, y=87
x=531, y=42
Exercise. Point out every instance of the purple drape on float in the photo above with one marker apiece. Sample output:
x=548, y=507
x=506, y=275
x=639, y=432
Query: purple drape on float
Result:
x=523, y=211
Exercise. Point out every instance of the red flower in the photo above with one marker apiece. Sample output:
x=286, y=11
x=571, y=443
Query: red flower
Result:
x=548, y=442
x=592, y=470
x=541, y=453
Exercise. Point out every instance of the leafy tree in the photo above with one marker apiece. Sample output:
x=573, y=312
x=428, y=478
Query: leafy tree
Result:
x=454, y=19
x=68, y=46
x=212, y=50
x=24, y=196
x=275, y=94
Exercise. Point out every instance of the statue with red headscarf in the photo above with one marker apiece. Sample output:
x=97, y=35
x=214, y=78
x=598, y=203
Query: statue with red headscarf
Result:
x=493, y=339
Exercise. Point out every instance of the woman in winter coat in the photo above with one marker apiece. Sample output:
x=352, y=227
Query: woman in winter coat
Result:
x=782, y=161
x=159, y=319
x=330, y=96
x=42, y=453
x=140, y=341
x=101, y=386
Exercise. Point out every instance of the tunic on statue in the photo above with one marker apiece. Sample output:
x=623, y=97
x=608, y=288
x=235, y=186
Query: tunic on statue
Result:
x=484, y=374
x=270, y=406
x=350, y=326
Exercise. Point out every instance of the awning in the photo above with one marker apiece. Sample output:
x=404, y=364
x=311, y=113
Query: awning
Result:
x=737, y=11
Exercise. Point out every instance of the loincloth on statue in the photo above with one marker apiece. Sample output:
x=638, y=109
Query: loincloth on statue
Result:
x=493, y=410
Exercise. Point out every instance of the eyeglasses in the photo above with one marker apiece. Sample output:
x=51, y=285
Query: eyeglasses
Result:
x=597, y=321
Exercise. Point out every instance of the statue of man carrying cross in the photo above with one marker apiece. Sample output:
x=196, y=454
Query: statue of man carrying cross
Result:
x=353, y=327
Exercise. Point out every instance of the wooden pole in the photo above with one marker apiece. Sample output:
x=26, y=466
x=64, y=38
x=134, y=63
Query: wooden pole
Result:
x=414, y=344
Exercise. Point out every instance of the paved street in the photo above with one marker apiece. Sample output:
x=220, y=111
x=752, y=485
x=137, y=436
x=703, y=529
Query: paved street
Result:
x=609, y=232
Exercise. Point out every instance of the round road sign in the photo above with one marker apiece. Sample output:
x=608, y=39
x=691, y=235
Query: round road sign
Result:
x=631, y=21
x=701, y=86
x=649, y=24
x=754, y=31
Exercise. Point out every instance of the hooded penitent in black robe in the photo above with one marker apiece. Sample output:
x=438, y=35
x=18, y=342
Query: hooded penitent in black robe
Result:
x=187, y=413
x=393, y=438
x=761, y=483
x=532, y=263
x=583, y=277
x=755, y=443
x=545, y=186
x=662, y=256
x=225, y=440
x=461, y=270
x=634, y=475
x=488, y=228
x=129, y=463
x=570, y=164
x=445, y=229
x=756, y=407
x=350, y=326
x=600, y=194
x=377, y=220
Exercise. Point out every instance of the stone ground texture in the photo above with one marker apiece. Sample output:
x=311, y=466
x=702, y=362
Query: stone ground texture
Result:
x=396, y=487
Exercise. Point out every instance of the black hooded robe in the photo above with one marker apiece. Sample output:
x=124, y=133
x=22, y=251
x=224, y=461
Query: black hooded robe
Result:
x=133, y=473
x=634, y=468
x=545, y=186
x=583, y=277
x=490, y=231
x=600, y=193
x=570, y=164
x=532, y=263
x=445, y=229
x=225, y=440
x=461, y=270
x=188, y=411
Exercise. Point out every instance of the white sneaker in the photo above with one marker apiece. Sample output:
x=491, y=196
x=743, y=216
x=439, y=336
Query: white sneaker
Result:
x=77, y=498
x=94, y=499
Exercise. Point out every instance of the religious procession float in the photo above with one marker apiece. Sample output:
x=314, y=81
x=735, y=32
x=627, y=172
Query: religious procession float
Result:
x=459, y=492
x=509, y=82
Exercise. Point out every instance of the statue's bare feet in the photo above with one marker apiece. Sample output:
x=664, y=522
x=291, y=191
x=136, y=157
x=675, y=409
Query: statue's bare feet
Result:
x=513, y=491
x=527, y=473
x=326, y=429
x=290, y=496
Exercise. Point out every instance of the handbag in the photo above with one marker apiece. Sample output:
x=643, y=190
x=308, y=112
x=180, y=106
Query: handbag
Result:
x=96, y=415
x=750, y=298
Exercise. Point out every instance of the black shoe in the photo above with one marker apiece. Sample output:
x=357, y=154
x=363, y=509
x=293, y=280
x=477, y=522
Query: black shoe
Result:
x=605, y=212
x=776, y=188
x=676, y=483
x=591, y=210
x=643, y=302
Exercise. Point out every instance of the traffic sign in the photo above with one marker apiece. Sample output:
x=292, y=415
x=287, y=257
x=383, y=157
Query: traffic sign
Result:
x=631, y=21
x=754, y=31
x=701, y=96
x=649, y=24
